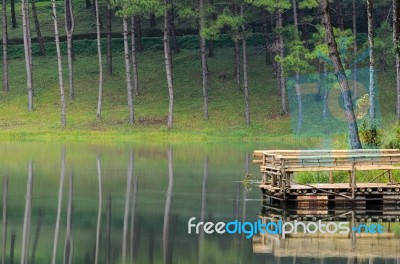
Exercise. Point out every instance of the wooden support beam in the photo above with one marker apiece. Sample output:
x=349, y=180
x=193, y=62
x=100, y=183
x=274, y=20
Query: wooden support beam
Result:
x=331, y=177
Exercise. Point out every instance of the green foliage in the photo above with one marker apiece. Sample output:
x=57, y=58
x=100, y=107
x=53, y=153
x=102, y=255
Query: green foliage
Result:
x=344, y=39
x=298, y=58
x=138, y=7
x=369, y=135
x=226, y=19
x=308, y=4
x=270, y=5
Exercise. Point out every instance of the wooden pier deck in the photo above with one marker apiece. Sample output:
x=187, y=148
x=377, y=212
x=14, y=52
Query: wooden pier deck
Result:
x=278, y=168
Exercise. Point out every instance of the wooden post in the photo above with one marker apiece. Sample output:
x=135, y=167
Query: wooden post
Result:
x=273, y=180
x=331, y=177
x=390, y=176
x=353, y=181
x=264, y=177
x=283, y=175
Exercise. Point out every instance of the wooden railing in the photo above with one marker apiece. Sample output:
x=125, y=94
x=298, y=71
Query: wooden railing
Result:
x=277, y=165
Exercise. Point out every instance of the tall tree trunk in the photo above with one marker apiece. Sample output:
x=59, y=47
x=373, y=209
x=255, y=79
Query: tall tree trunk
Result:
x=370, y=14
x=281, y=77
x=28, y=208
x=13, y=16
x=168, y=66
x=396, y=43
x=355, y=84
x=37, y=28
x=99, y=102
x=341, y=76
x=109, y=42
x=133, y=56
x=4, y=221
x=28, y=53
x=68, y=245
x=172, y=29
x=128, y=73
x=236, y=53
x=12, y=245
x=126, y=211
x=96, y=257
x=245, y=82
x=59, y=204
x=60, y=74
x=203, y=53
x=6, y=87
x=138, y=29
x=297, y=77
x=69, y=29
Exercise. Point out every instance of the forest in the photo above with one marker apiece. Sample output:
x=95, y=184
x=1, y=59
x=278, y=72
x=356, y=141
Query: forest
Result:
x=182, y=69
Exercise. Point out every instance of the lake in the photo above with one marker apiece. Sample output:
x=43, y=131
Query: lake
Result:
x=148, y=193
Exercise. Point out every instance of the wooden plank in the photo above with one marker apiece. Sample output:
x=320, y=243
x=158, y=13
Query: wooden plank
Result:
x=336, y=168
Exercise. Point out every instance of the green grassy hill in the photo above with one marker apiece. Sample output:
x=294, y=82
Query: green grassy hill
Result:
x=226, y=102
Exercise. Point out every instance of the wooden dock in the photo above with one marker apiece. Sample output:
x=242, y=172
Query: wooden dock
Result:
x=278, y=168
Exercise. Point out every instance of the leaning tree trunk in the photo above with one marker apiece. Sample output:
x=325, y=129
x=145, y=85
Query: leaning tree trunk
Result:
x=396, y=43
x=69, y=29
x=99, y=102
x=6, y=87
x=280, y=76
x=37, y=28
x=370, y=10
x=128, y=72
x=109, y=43
x=203, y=53
x=355, y=84
x=60, y=75
x=13, y=16
x=168, y=66
x=28, y=53
x=245, y=82
x=126, y=210
x=134, y=60
x=341, y=76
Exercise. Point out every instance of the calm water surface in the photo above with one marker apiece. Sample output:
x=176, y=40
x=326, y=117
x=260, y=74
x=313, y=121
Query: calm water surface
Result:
x=147, y=195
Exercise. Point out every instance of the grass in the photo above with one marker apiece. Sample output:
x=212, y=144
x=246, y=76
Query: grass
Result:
x=226, y=103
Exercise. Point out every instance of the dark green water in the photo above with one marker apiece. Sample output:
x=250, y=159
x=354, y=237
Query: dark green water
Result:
x=144, y=210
